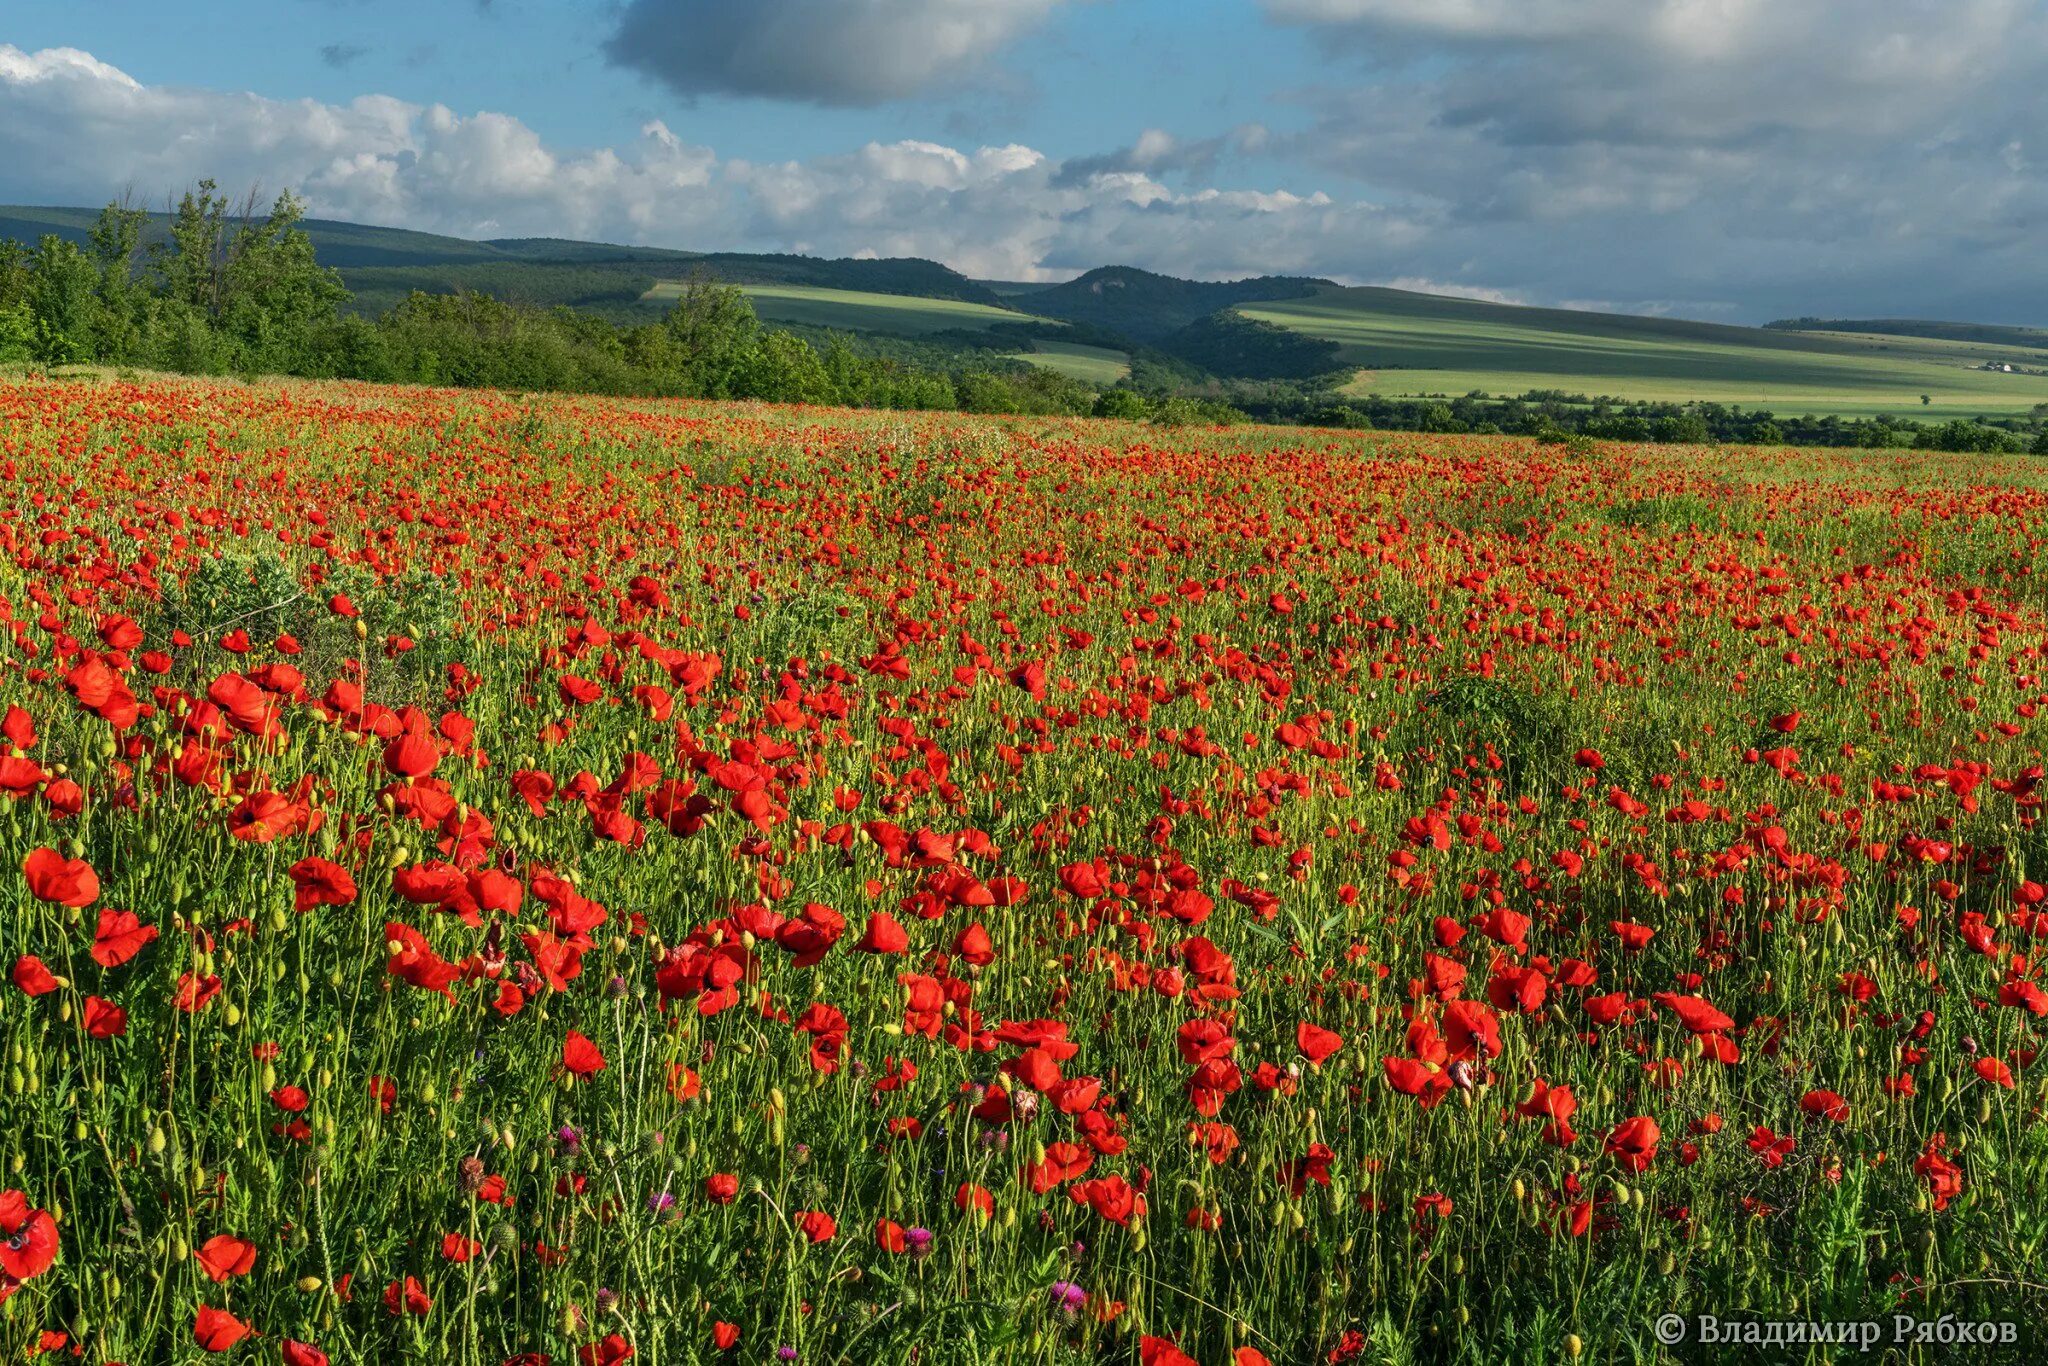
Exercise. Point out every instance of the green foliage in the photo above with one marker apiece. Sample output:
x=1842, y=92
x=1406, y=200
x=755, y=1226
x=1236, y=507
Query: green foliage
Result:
x=1681, y=429
x=1229, y=343
x=1189, y=412
x=1146, y=307
x=1127, y=404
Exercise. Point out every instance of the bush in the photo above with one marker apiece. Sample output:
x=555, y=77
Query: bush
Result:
x=1127, y=404
x=1687, y=430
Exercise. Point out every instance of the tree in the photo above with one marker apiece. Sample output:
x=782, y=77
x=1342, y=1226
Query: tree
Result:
x=713, y=329
x=1127, y=404
x=62, y=304
x=2041, y=442
x=781, y=368
x=114, y=245
x=272, y=292
x=193, y=263
x=17, y=327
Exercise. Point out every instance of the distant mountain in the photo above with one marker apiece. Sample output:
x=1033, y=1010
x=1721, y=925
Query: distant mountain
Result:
x=1146, y=307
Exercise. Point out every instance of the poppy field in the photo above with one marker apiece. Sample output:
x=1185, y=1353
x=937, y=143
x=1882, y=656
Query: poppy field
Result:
x=494, y=879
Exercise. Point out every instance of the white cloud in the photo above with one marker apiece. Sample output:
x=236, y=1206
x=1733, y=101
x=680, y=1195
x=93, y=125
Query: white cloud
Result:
x=843, y=52
x=1420, y=284
x=75, y=130
x=1791, y=155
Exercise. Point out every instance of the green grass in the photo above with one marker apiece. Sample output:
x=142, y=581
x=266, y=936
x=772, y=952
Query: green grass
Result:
x=1095, y=364
x=860, y=311
x=1407, y=344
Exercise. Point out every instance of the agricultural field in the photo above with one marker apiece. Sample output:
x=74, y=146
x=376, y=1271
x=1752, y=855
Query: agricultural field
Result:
x=1407, y=344
x=517, y=880
x=853, y=310
x=1095, y=364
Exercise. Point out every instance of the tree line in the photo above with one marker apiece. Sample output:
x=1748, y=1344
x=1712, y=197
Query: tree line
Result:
x=231, y=290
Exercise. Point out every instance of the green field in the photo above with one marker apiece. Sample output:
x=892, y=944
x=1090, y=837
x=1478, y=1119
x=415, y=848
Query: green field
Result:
x=1410, y=344
x=902, y=315
x=1095, y=364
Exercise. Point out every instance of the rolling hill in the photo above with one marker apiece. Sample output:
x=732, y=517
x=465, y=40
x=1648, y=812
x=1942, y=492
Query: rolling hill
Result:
x=850, y=310
x=1383, y=342
x=1146, y=307
x=1404, y=343
x=382, y=265
x=1980, y=334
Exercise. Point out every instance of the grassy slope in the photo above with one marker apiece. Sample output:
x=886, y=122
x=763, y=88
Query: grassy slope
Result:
x=1409, y=343
x=1996, y=334
x=862, y=311
x=1146, y=307
x=1095, y=364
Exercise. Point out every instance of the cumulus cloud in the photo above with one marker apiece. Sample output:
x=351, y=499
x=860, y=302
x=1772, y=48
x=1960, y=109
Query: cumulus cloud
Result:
x=1789, y=155
x=76, y=130
x=839, y=52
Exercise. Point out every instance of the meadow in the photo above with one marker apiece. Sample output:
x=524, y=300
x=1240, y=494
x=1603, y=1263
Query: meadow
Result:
x=509, y=879
x=1410, y=344
x=1095, y=364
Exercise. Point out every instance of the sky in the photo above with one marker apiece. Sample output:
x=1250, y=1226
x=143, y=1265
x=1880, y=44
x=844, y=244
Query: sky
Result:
x=1735, y=160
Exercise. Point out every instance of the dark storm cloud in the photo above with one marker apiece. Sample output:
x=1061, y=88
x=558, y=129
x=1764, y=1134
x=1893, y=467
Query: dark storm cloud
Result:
x=832, y=52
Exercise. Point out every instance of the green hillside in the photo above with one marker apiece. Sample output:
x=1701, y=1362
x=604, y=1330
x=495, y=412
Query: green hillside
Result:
x=1981, y=334
x=1147, y=307
x=1095, y=364
x=1404, y=343
x=1385, y=343
x=382, y=265
x=851, y=310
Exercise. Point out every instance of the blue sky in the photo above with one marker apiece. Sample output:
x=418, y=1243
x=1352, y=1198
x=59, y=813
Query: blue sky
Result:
x=1736, y=159
x=1089, y=76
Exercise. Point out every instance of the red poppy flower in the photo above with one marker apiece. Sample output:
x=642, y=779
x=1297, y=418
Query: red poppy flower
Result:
x=581, y=1056
x=54, y=878
x=216, y=1330
x=1633, y=1143
x=1153, y=1351
x=32, y=977
x=120, y=937
x=1825, y=1105
x=318, y=882
x=223, y=1256
x=104, y=1019
x=407, y=1297
x=610, y=1352
x=1315, y=1042
x=29, y=1245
